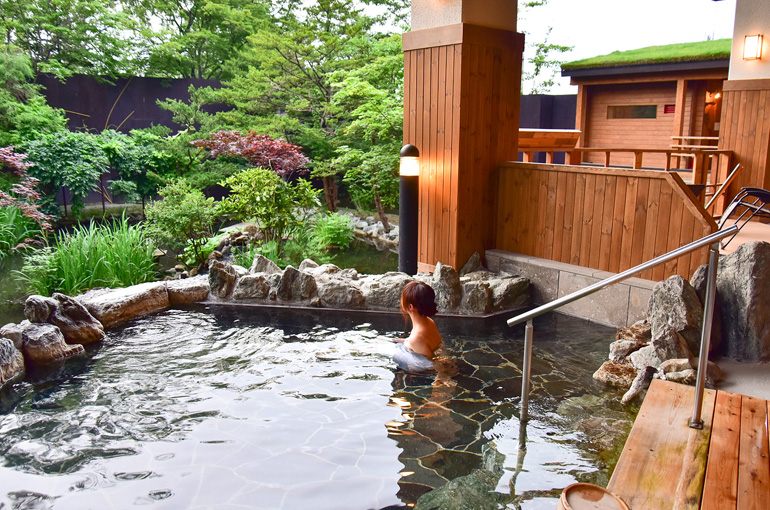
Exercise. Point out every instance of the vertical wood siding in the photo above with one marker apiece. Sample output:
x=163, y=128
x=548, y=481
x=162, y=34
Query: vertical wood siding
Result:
x=605, y=219
x=745, y=129
x=461, y=109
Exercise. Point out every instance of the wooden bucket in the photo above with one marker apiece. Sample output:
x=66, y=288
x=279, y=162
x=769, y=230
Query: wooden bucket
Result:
x=586, y=496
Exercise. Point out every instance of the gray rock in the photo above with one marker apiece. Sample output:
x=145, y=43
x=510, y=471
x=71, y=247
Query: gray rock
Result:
x=75, y=322
x=666, y=344
x=446, y=284
x=340, y=294
x=473, y=264
x=639, y=332
x=252, y=286
x=349, y=273
x=296, y=285
x=361, y=224
x=675, y=303
x=476, y=298
x=239, y=270
x=616, y=374
x=221, y=279
x=307, y=264
x=620, y=349
x=37, y=309
x=43, y=344
x=641, y=383
x=11, y=363
x=509, y=292
x=687, y=376
x=698, y=281
x=262, y=264
x=114, y=306
x=13, y=332
x=743, y=284
x=189, y=290
x=680, y=370
x=384, y=291
x=324, y=270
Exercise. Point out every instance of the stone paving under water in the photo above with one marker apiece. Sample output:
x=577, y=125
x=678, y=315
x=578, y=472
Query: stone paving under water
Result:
x=210, y=407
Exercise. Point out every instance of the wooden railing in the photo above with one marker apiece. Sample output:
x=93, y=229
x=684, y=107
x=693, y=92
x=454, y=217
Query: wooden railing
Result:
x=603, y=218
x=710, y=167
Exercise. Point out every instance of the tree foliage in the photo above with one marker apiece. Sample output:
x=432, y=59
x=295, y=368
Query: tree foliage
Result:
x=259, y=150
x=24, y=114
x=64, y=37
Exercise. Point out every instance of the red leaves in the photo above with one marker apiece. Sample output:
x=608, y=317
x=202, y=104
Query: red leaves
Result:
x=259, y=150
x=13, y=161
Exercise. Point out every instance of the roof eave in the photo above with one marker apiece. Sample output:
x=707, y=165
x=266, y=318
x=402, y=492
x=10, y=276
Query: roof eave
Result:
x=662, y=67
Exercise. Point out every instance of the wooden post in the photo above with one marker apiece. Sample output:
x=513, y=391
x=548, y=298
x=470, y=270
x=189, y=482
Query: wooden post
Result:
x=461, y=109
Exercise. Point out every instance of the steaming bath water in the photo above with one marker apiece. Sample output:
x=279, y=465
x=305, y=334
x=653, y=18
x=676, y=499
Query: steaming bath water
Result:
x=215, y=407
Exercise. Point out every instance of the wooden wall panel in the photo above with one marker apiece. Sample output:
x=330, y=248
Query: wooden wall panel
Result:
x=461, y=110
x=745, y=124
x=605, y=219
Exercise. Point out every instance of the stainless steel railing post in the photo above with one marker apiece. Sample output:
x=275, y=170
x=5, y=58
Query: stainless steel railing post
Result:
x=705, y=337
x=526, y=369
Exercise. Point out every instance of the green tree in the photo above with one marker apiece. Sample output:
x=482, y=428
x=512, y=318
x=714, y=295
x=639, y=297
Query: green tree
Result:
x=197, y=38
x=24, y=113
x=369, y=144
x=183, y=218
x=541, y=63
x=64, y=37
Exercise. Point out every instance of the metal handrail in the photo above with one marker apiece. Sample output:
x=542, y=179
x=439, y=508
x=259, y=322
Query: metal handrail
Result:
x=708, y=306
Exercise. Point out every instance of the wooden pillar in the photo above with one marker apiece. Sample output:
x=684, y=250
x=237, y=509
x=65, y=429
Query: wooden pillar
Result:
x=462, y=86
x=581, y=115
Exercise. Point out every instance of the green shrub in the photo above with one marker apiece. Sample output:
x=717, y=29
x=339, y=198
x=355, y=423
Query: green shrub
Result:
x=183, y=219
x=333, y=230
x=112, y=255
x=280, y=208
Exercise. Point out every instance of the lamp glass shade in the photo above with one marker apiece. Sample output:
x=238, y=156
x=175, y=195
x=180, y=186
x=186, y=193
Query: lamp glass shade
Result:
x=752, y=47
x=409, y=166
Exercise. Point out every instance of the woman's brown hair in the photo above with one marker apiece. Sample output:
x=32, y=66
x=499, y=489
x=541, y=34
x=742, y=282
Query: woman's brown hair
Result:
x=421, y=296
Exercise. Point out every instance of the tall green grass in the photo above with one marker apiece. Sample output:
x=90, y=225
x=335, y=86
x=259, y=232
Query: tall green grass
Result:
x=15, y=229
x=112, y=255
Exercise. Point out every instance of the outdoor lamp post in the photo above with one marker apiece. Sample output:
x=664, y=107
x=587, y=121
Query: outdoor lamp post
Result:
x=408, y=202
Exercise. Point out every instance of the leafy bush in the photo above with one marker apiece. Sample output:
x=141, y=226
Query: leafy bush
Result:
x=74, y=160
x=182, y=219
x=191, y=258
x=112, y=255
x=333, y=230
x=280, y=208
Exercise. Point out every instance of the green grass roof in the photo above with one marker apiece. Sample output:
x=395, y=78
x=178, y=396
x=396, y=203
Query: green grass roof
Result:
x=683, y=52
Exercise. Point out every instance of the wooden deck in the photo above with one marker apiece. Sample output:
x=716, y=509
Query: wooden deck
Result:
x=667, y=465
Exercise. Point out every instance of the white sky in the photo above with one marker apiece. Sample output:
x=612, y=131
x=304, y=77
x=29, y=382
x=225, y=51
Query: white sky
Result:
x=598, y=27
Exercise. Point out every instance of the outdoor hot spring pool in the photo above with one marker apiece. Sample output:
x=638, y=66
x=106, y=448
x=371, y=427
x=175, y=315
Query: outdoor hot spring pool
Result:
x=219, y=407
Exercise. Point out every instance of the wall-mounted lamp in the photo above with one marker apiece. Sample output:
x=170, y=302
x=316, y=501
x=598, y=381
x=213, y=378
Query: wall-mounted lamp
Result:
x=408, y=208
x=752, y=47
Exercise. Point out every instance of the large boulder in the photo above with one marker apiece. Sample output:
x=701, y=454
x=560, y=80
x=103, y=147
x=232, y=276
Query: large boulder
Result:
x=476, y=298
x=674, y=303
x=340, y=294
x=253, y=286
x=188, y=290
x=11, y=363
x=743, y=285
x=262, y=264
x=296, y=285
x=221, y=279
x=115, y=306
x=699, y=281
x=384, y=291
x=37, y=308
x=75, y=322
x=472, y=265
x=509, y=292
x=43, y=344
x=446, y=284
x=13, y=332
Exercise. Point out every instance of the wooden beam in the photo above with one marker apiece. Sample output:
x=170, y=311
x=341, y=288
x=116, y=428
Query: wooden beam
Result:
x=581, y=115
x=681, y=95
